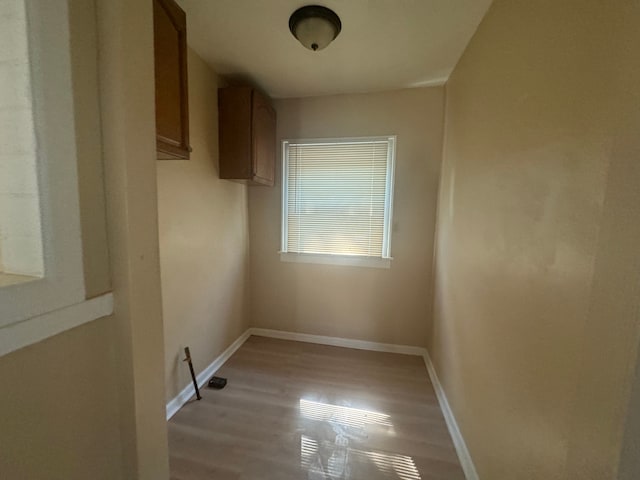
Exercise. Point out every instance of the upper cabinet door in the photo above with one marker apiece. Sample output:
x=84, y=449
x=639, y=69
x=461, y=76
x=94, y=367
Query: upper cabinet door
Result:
x=264, y=140
x=247, y=136
x=172, y=103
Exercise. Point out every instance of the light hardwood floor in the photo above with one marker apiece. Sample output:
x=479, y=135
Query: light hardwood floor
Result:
x=300, y=411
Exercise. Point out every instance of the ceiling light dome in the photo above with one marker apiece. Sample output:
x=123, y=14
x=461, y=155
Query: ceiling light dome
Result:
x=315, y=26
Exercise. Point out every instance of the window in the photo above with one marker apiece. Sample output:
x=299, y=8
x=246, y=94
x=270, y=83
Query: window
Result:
x=337, y=200
x=21, y=256
x=41, y=272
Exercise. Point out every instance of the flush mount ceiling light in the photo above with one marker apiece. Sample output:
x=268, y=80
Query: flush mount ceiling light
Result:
x=315, y=26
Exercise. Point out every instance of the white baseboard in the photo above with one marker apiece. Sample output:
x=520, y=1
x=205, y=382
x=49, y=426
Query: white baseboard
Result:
x=458, y=440
x=183, y=397
x=338, y=342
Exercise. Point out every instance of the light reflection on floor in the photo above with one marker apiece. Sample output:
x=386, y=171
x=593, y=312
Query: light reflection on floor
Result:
x=402, y=465
x=329, y=447
x=353, y=417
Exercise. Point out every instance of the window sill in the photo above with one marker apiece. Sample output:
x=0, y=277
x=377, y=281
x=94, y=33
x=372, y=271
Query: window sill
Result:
x=346, y=260
x=7, y=279
x=21, y=334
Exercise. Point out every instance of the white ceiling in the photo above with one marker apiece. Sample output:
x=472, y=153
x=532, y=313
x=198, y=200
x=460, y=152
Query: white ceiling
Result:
x=384, y=44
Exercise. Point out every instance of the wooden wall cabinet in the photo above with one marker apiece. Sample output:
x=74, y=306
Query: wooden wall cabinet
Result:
x=172, y=101
x=247, y=131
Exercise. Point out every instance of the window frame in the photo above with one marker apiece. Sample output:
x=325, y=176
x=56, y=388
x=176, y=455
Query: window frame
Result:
x=39, y=307
x=383, y=261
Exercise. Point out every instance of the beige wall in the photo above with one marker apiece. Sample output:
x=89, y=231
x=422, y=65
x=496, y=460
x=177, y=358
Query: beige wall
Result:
x=60, y=408
x=531, y=348
x=604, y=399
x=203, y=242
x=127, y=101
x=382, y=305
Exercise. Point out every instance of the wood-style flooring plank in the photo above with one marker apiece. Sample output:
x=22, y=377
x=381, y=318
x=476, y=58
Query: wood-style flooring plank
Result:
x=301, y=411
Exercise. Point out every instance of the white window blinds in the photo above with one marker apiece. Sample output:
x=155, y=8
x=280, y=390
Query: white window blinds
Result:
x=337, y=196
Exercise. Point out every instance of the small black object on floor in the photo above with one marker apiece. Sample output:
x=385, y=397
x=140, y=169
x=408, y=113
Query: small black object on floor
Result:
x=217, y=382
